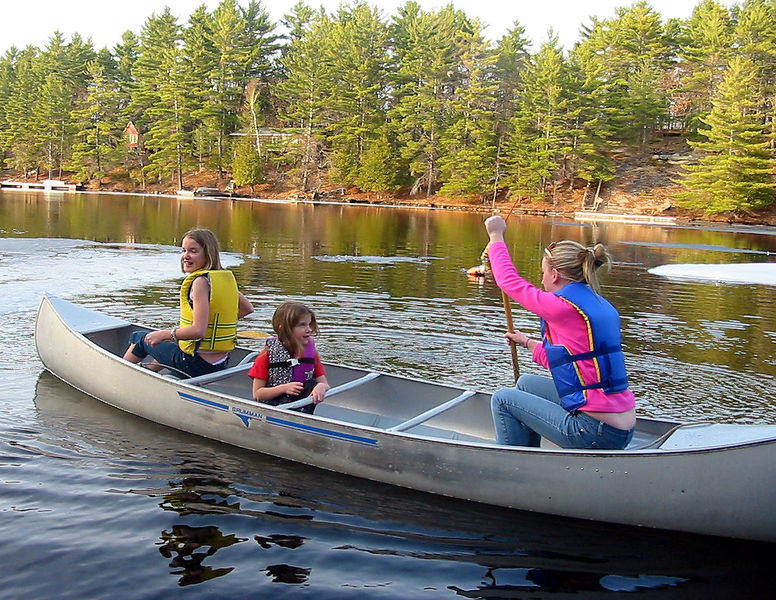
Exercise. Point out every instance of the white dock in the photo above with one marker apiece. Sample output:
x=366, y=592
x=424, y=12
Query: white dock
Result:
x=594, y=217
x=47, y=185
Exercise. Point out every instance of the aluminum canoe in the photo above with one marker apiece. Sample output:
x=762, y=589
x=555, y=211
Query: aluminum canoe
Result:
x=707, y=478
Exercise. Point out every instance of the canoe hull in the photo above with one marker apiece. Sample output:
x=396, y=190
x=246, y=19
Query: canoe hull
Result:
x=727, y=491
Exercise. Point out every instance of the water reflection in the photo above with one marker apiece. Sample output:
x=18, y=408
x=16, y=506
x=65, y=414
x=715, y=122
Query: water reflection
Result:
x=287, y=574
x=199, y=495
x=188, y=547
x=513, y=583
x=505, y=571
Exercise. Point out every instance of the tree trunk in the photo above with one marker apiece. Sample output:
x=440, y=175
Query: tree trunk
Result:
x=584, y=196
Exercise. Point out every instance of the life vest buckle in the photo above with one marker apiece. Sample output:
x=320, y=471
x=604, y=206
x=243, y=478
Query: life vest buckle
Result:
x=293, y=362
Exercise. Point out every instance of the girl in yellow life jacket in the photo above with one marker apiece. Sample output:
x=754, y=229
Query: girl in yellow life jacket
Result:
x=210, y=305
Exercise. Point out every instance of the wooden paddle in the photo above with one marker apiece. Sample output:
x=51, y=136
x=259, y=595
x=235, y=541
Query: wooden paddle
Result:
x=508, y=307
x=510, y=323
x=511, y=329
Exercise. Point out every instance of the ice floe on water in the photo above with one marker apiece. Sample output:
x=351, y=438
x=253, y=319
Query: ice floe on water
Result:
x=706, y=247
x=67, y=268
x=753, y=273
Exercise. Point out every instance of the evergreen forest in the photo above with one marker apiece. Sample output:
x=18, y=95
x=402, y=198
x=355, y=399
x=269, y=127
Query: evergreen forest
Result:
x=419, y=101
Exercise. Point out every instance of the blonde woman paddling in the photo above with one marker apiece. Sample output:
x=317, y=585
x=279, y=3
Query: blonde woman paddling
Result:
x=586, y=402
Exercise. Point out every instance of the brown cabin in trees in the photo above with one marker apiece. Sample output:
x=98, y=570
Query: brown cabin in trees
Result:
x=132, y=135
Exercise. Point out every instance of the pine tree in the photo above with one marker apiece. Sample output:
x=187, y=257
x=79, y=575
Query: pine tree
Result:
x=7, y=84
x=200, y=58
x=20, y=135
x=379, y=170
x=755, y=36
x=126, y=54
x=542, y=130
x=357, y=59
x=247, y=165
x=97, y=129
x=262, y=43
x=630, y=55
x=588, y=131
x=226, y=78
x=61, y=72
x=427, y=60
x=297, y=22
x=304, y=94
x=467, y=164
x=736, y=173
x=169, y=137
x=708, y=46
x=512, y=58
x=159, y=34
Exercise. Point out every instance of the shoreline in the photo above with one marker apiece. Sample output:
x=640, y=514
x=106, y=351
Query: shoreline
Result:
x=764, y=225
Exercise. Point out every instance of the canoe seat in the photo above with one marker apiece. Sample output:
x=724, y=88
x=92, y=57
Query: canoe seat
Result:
x=356, y=417
x=243, y=365
x=447, y=434
x=248, y=358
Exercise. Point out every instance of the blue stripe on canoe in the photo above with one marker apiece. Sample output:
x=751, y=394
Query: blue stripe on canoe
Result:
x=209, y=403
x=324, y=432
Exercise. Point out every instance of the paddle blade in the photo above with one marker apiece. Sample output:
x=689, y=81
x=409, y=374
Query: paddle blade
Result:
x=253, y=334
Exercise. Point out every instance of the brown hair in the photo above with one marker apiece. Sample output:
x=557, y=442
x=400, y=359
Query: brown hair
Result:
x=286, y=317
x=577, y=262
x=209, y=243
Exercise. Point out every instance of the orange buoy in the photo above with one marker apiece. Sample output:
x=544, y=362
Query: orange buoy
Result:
x=478, y=271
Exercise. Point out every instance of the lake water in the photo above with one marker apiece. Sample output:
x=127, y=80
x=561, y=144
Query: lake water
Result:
x=96, y=504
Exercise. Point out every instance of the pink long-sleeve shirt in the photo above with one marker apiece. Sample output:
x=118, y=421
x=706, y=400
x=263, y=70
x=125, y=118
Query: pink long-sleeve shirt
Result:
x=567, y=326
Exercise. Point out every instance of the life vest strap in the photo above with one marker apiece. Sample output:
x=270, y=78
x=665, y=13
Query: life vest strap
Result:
x=284, y=364
x=615, y=384
x=569, y=358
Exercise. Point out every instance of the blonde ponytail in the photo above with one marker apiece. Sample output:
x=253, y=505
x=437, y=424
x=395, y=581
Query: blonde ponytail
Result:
x=576, y=262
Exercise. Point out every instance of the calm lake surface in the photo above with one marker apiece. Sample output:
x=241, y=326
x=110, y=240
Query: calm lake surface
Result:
x=98, y=504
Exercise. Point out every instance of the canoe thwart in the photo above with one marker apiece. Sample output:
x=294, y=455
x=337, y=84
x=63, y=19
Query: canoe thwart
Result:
x=432, y=412
x=296, y=403
x=351, y=384
x=335, y=390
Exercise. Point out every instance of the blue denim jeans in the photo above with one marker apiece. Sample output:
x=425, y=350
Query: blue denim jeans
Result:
x=170, y=355
x=522, y=415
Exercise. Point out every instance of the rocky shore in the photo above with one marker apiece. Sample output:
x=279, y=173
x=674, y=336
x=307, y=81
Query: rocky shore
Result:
x=645, y=183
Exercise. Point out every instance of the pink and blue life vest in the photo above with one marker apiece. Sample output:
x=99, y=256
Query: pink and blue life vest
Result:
x=605, y=348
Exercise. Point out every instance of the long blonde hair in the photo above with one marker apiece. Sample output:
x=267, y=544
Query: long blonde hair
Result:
x=576, y=262
x=286, y=317
x=209, y=243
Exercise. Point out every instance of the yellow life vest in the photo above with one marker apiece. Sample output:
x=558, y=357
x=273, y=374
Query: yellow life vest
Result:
x=222, y=322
